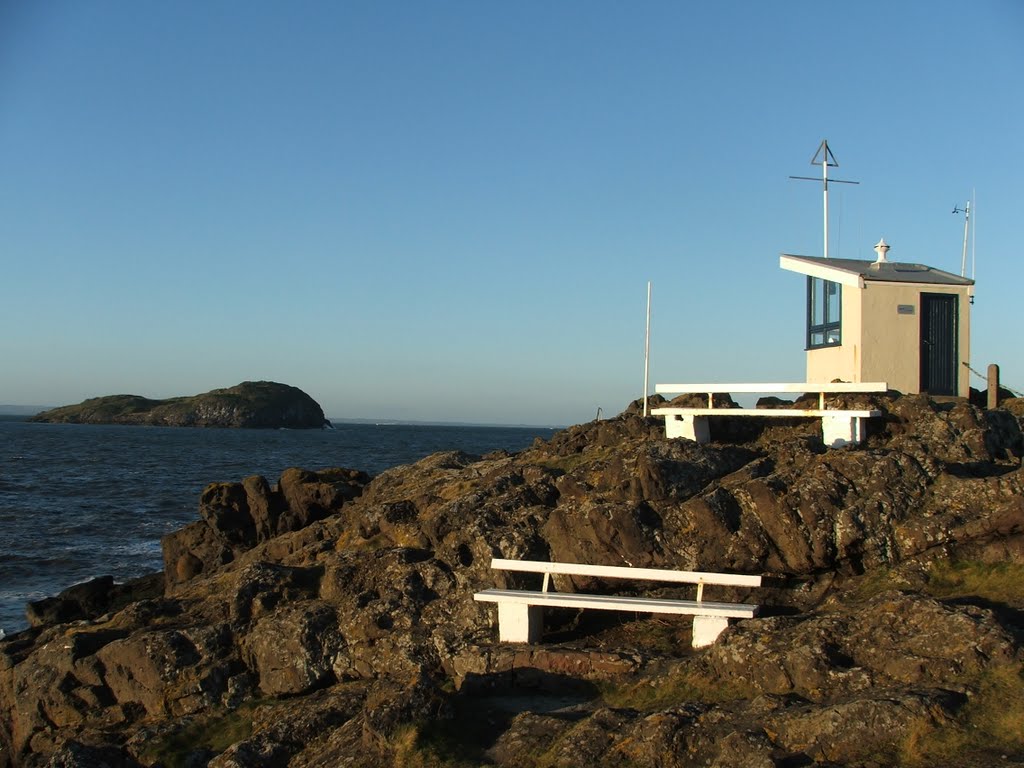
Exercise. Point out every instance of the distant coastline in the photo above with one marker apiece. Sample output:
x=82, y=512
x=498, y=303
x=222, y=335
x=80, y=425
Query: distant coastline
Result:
x=27, y=411
x=384, y=421
x=22, y=410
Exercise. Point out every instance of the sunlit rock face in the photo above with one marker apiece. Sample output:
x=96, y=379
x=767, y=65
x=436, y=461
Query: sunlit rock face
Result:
x=328, y=619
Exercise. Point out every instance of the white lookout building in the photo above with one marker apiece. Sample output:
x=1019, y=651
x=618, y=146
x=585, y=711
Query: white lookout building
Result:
x=905, y=324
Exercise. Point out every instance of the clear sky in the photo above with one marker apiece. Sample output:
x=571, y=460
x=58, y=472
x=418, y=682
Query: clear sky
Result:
x=449, y=210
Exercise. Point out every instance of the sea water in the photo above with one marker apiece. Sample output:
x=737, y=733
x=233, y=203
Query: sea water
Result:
x=80, y=501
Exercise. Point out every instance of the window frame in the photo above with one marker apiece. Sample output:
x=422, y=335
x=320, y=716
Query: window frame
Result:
x=831, y=331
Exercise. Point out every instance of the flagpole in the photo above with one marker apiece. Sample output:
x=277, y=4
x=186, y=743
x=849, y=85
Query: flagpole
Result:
x=647, y=348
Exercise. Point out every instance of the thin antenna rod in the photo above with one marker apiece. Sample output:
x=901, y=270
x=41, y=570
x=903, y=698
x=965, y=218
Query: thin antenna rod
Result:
x=966, y=210
x=827, y=160
x=974, y=235
x=647, y=349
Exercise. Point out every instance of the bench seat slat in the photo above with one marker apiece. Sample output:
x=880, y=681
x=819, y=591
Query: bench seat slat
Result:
x=797, y=386
x=621, y=572
x=777, y=412
x=618, y=603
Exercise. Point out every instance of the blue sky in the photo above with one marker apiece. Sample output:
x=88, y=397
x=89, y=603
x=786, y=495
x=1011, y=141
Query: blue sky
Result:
x=450, y=210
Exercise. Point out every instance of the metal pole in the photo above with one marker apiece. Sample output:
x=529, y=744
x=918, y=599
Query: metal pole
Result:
x=974, y=238
x=963, y=257
x=824, y=179
x=647, y=348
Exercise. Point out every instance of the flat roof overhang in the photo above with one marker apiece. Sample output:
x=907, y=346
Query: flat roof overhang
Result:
x=841, y=276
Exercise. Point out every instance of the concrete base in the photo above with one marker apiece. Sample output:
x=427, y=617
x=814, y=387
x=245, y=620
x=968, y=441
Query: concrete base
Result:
x=840, y=431
x=706, y=629
x=520, y=623
x=694, y=428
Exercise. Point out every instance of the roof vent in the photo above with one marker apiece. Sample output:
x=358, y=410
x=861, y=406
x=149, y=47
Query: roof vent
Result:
x=881, y=249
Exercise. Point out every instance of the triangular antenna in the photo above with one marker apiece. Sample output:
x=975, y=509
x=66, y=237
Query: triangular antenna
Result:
x=825, y=153
x=826, y=160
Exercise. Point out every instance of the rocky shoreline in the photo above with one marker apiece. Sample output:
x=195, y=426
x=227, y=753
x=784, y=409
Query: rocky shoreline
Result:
x=327, y=619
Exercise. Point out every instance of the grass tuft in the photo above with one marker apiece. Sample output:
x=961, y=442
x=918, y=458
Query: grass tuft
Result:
x=215, y=734
x=998, y=582
x=432, y=745
x=672, y=689
x=575, y=460
x=991, y=721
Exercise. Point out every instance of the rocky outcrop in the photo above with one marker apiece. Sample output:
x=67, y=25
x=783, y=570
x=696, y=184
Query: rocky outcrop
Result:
x=238, y=516
x=249, y=405
x=328, y=618
x=92, y=598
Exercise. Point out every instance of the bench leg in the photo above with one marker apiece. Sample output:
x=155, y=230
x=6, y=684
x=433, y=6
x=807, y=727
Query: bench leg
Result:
x=840, y=431
x=707, y=628
x=520, y=623
x=691, y=427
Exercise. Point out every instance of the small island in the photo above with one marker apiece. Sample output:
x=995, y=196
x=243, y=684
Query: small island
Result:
x=249, y=405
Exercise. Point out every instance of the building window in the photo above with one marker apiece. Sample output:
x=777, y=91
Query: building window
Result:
x=824, y=313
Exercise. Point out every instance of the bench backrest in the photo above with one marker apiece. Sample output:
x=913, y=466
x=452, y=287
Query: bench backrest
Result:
x=620, y=572
x=799, y=386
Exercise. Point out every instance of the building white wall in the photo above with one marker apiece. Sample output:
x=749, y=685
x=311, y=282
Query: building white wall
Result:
x=880, y=344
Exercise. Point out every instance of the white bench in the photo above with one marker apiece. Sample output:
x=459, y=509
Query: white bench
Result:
x=839, y=427
x=520, y=612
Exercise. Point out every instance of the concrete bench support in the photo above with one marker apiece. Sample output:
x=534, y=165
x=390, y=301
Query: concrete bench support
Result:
x=520, y=622
x=706, y=629
x=686, y=425
x=841, y=429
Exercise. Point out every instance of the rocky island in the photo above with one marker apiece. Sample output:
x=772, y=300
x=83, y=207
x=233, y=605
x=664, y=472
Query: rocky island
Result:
x=327, y=618
x=249, y=405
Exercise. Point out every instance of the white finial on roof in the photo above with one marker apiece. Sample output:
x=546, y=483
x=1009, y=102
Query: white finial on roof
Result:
x=881, y=249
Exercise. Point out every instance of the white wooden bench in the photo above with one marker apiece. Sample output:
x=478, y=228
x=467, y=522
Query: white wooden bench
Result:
x=520, y=612
x=839, y=426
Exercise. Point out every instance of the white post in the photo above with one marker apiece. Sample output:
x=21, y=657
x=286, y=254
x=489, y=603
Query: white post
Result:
x=647, y=349
x=974, y=237
x=824, y=180
x=967, y=221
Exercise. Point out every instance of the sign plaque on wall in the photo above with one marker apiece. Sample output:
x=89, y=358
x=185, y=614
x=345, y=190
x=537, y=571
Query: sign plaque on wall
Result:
x=904, y=309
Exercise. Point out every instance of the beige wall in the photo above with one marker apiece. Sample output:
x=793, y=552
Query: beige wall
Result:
x=879, y=344
x=842, y=362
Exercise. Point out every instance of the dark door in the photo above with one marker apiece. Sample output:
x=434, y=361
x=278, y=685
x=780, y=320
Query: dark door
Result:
x=939, y=369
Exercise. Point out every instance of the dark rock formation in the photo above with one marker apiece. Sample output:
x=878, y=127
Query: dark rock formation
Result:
x=92, y=598
x=250, y=405
x=328, y=619
x=238, y=516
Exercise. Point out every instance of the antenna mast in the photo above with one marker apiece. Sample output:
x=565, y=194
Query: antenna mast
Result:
x=828, y=160
x=974, y=236
x=966, y=210
x=647, y=348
